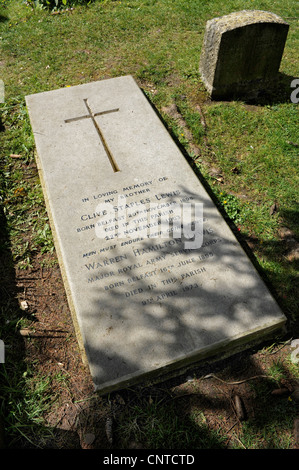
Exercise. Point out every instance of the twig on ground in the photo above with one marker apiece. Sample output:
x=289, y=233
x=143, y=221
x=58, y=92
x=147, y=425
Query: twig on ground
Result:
x=235, y=423
x=213, y=376
x=202, y=117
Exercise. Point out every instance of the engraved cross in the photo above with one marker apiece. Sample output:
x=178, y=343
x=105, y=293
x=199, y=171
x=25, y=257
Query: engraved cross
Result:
x=97, y=127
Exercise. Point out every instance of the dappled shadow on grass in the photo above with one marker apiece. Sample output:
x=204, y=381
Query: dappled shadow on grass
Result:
x=291, y=219
x=2, y=128
x=153, y=419
x=283, y=281
x=186, y=413
x=21, y=392
x=198, y=411
x=11, y=372
x=283, y=250
x=3, y=19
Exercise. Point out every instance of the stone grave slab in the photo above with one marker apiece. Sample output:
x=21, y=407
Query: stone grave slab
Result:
x=147, y=299
x=241, y=53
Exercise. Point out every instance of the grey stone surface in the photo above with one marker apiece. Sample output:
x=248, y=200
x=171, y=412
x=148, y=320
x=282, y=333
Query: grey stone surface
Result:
x=241, y=52
x=142, y=306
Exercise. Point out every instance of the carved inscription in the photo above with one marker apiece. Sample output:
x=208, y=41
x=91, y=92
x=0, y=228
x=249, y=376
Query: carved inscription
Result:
x=138, y=264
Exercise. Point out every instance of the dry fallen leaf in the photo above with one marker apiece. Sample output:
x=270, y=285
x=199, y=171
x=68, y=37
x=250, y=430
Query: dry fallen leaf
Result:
x=25, y=332
x=220, y=180
x=87, y=441
x=280, y=391
x=24, y=305
x=89, y=438
x=239, y=407
x=19, y=192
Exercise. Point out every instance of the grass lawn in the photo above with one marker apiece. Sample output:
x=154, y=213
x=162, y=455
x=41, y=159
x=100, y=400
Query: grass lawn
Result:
x=247, y=155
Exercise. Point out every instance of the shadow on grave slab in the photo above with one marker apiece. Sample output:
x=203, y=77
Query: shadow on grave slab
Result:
x=175, y=329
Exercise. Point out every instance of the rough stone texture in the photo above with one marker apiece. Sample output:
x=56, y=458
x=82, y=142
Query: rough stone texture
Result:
x=241, y=52
x=142, y=306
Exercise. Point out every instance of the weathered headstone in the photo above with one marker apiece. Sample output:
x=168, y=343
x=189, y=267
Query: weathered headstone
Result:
x=146, y=298
x=242, y=52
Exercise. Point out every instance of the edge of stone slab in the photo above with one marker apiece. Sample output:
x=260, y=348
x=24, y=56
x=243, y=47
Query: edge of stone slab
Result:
x=61, y=264
x=241, y=342
x=208, y=355
x=76, y=325
x=80, y=85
